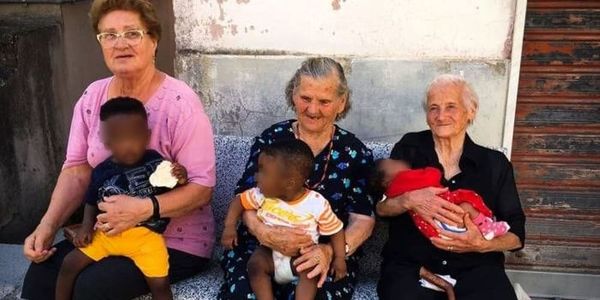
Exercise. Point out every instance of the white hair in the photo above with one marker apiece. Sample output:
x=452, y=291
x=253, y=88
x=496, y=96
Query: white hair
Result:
x=468, y=95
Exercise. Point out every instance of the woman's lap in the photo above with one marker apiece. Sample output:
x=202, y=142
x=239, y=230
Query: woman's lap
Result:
x=402, y=282
x=110, y=278
x=237, y=286
x=481, y=282
x=485, y=282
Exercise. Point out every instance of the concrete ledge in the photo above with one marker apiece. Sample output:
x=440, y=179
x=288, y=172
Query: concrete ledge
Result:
x=13, y=266
x=557, y=285
x=206, y=285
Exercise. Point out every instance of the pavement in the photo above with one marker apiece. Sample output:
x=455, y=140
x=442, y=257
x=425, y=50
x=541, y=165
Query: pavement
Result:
x=13, y=266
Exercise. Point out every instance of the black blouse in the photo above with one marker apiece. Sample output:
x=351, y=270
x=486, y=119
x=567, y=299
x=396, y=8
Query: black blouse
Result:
x=487, y=172
x=345, y=180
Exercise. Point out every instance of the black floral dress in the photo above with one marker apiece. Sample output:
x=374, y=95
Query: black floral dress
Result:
x=343, y=181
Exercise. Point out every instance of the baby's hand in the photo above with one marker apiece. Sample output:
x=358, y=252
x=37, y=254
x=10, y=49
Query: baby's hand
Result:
x=83, y=236
x=338, y=268
x=180, y=173
x=229, y=237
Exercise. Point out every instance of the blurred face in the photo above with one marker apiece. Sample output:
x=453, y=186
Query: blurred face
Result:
x=391, y=168
x=126, y=56
x=126, y=137
x=270, y=177
x=317, y=103
x=447, y=114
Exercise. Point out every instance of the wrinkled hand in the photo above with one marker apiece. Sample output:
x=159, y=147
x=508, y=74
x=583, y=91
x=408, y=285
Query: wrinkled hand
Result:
x=316, y=258
x=286, y=240
x=122, y=212
x=37, y=245
x=426, y=203
x=229, y=238
x=180, y=172
x=339, y=268
x=470, y=241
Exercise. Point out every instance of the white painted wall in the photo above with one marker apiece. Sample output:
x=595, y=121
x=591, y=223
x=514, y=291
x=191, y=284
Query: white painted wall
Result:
x=239, y=54
x=410, y=29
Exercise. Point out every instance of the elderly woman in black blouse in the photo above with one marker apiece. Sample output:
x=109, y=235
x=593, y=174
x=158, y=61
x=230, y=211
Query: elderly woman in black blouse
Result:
x=319, y=95
x=477, y=264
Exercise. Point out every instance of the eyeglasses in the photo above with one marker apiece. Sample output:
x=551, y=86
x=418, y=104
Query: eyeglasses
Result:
x=131, y=37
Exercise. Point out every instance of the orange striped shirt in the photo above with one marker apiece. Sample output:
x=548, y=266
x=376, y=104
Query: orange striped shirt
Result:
x=310, y=212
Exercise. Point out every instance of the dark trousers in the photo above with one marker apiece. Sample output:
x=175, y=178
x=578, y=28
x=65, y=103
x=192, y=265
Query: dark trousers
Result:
x=111, y=278
x=488, y=282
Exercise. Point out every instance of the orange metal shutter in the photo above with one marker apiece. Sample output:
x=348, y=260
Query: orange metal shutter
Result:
x=556, y=145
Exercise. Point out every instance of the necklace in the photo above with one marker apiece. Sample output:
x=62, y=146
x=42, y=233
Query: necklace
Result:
x=327, y=160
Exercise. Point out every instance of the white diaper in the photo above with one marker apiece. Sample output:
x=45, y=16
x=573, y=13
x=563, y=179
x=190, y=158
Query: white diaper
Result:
x=283, y=270
x=431, y=286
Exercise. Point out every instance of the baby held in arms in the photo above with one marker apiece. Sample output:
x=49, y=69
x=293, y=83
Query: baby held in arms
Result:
x=281, y=199
x=395, y=177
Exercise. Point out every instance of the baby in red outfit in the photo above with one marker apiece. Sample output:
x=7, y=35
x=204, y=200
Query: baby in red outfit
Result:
x=395, y=177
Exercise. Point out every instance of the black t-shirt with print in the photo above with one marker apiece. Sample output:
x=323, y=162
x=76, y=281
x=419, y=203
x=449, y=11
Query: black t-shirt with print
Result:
x=110, y=179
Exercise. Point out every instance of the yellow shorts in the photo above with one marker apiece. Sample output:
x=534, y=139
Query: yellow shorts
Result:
x=145, y=247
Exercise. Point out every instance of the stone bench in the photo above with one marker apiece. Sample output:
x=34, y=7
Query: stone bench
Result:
x=232, y=153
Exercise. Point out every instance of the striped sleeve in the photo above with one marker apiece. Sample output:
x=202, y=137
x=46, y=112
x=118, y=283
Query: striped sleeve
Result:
x=328, y=222
x=251, y=199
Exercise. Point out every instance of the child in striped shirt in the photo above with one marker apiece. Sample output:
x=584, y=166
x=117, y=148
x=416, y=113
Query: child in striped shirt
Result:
x=281, y=199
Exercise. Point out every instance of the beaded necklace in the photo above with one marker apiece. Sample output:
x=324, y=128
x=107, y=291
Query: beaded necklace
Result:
x=330, y=146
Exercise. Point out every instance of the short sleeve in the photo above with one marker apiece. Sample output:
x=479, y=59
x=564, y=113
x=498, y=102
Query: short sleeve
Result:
x=152, y=155
x=328, y=222
x=91, y=195
x=252, y=199
x=361, y=199
x=193, y=147
x=508, y=207
x=77, y=146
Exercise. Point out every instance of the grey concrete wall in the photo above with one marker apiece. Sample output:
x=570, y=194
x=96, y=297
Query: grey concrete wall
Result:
x=240, y=54
x=244, y=94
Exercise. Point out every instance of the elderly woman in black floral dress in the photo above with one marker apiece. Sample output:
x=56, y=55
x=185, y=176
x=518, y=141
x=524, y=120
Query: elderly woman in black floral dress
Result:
x=319, y=94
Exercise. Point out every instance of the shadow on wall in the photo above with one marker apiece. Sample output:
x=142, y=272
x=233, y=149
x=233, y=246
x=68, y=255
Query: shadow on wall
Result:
x=33, y=140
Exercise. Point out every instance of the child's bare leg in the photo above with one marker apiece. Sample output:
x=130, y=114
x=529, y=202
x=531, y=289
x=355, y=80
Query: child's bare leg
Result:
x=260, y=272
x=488, y=227
x=72, y=265
x=160, y=288
x=439, y=282
x=306, y=288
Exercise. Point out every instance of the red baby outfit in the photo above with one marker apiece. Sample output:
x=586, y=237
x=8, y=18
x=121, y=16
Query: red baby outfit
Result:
x=411, y=180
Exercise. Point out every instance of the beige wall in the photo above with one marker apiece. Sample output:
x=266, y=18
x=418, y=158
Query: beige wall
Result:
x=408, y=29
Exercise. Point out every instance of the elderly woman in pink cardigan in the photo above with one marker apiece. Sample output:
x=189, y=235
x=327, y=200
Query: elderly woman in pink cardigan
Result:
x=128, y=33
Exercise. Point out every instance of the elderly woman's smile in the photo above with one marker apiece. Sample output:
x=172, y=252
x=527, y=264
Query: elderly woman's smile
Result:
x=319, y=95
x=99, y=168
x=133, y=50
x=447, y=114
x=317, y=102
